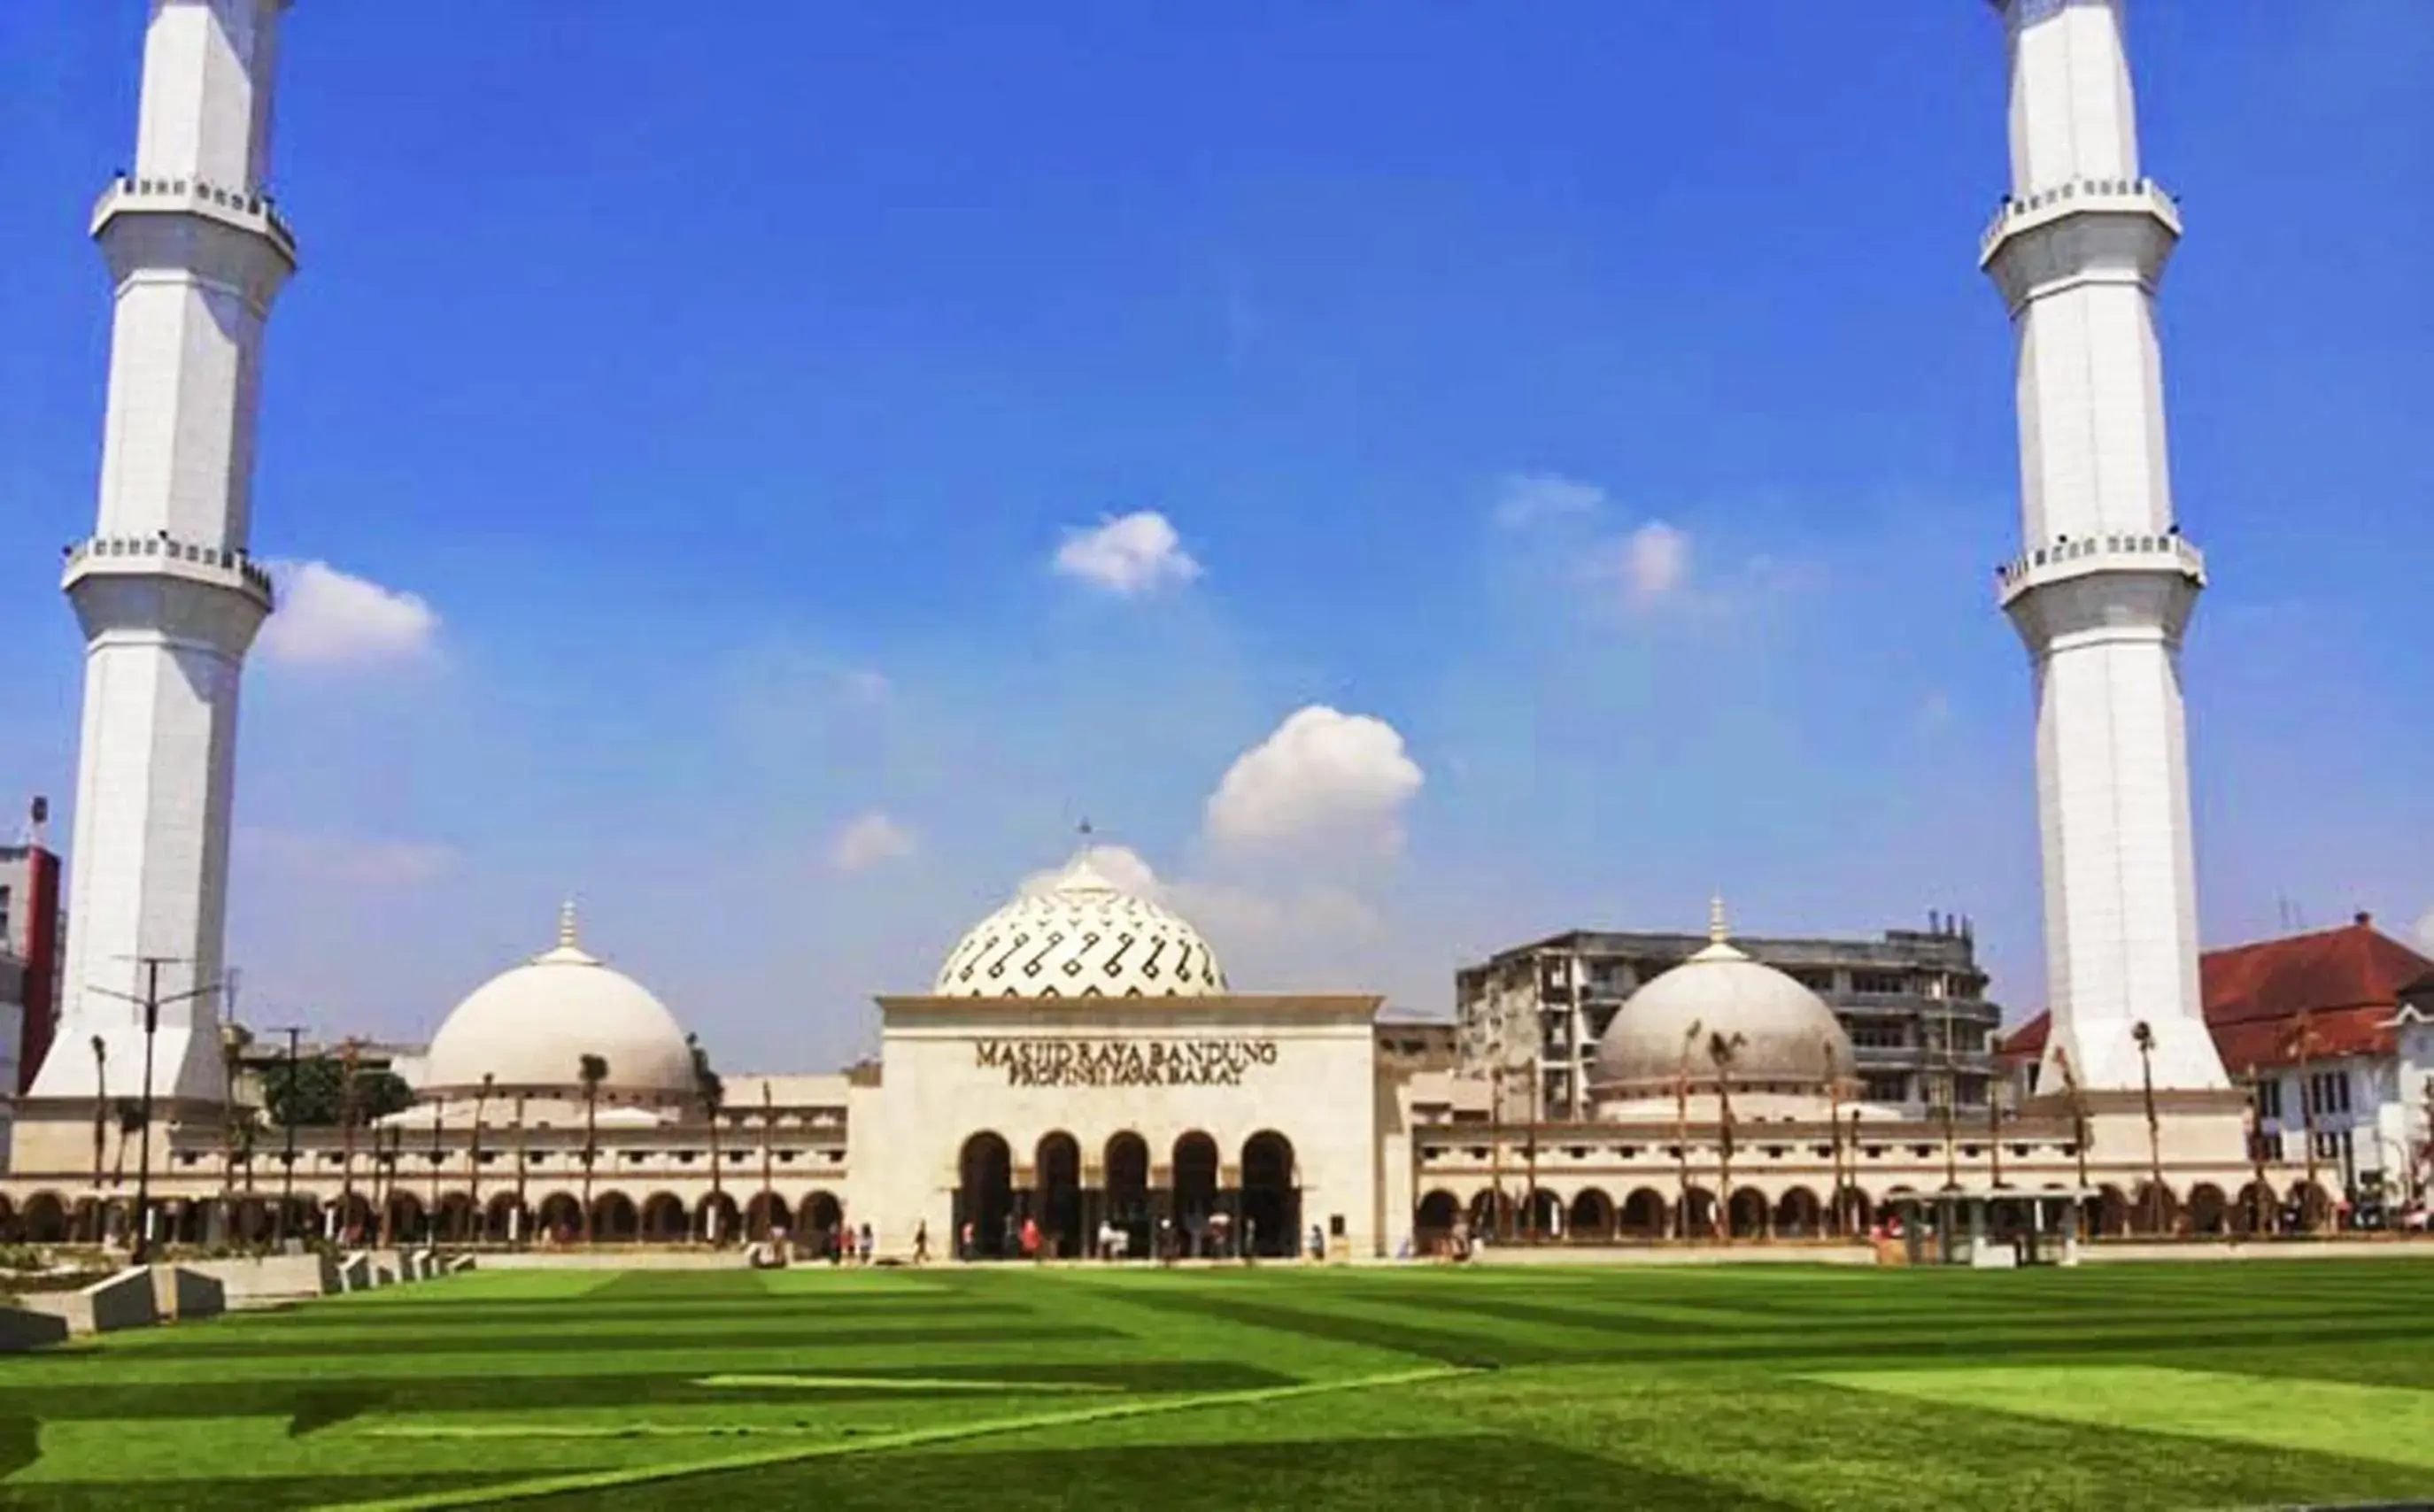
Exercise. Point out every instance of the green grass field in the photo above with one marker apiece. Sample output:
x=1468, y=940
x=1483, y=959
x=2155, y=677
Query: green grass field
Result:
x=2136, y=1385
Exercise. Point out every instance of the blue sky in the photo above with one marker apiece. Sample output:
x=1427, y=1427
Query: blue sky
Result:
x=723, y=392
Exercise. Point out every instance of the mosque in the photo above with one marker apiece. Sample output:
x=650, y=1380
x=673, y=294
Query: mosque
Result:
x=1080, y=1065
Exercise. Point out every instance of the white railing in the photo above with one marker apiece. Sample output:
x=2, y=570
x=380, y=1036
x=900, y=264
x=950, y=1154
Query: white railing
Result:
x=250, y=208
x=131, y=549
x=2103, y=551
x=2080, y=194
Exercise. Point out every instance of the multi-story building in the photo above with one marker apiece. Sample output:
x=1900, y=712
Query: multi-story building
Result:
x=2332, y=1034
x=1912, y=1001
x=30, y=926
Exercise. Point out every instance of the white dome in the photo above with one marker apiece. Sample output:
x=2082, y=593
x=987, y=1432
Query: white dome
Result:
x=1660, y=1036
x=529, y=1028
x=1081, y=936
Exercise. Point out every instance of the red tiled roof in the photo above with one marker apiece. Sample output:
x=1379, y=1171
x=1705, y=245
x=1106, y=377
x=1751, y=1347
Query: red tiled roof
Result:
x=2348, y=981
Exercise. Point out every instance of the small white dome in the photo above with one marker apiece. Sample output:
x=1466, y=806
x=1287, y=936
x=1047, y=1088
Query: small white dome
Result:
x=1081, y=936
x=1788, y=1038
x=529, y=1028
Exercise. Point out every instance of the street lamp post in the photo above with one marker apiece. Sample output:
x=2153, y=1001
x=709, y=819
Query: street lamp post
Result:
x=2155, y=1195
x=151, y=1002
x=287, y=1159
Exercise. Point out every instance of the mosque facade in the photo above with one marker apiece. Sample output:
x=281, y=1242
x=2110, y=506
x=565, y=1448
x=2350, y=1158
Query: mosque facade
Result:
x=1080, y=1065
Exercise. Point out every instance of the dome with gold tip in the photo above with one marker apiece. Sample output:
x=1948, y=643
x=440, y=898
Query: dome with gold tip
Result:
x=1080, y=935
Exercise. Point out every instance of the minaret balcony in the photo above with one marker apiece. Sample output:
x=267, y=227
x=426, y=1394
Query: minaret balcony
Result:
x=2079, y=196
x=245, y=209
x=163, y=554
x=2098, y=553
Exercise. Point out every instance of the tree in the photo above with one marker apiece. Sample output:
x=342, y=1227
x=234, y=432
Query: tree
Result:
x=100, y=1105
x=591, y=1070
x=712, y=1088
x=1682, y=1130
x=319, y=1095
x=1722, y=1050
x=2145, y=1037
x=233, y=1040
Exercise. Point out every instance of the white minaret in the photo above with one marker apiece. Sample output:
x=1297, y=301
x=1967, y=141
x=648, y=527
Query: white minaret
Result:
x=165, y=590
x=2105, y=582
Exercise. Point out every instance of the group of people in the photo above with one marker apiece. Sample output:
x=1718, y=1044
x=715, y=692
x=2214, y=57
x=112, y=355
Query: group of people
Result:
x=1211, y=1237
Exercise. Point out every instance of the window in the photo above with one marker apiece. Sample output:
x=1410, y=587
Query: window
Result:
x=4, y=915
x=2329, y=1092
x=1880, y=982
x=2268, y=1099
x=1881, y=1087
x=1870, y=1035
x=1816, y=978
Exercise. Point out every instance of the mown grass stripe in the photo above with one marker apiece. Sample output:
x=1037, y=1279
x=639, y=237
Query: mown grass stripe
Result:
x=905, y=1438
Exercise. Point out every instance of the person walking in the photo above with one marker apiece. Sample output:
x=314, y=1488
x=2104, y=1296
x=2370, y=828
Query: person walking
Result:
x=869, y=1242
x=921, y=1243
x=966, y=1241
x=1030, y=1239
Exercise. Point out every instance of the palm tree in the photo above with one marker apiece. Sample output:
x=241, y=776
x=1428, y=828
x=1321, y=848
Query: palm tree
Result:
x=713, y=1098
x=591, y=1070
x=233, y=1040
x=2078, y=1135
x=1722, y=1051
x=348, y=1054
x=1834, y=1130
x=473, y=1225
x=2145, y=1036
x=1682, y=1130
x=101, y=1109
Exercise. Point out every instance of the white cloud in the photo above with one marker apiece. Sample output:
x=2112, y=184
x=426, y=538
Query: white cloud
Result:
x=2424, y=930
x=869, y=841
x=1526, y=497
x=321, y=857
x=332, y=618
x=1321, y=774
x=1650, y=564
x=864, y=685
x=1127, y=556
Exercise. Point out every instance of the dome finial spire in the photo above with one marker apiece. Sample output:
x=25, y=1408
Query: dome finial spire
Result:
x=1717, y=933
x=567, y=937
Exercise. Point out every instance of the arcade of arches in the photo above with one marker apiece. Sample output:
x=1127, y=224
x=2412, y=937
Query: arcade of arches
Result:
x=1177, y=1206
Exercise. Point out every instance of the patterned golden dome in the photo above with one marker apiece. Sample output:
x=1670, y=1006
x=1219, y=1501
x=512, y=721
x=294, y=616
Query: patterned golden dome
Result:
x=1081, y=936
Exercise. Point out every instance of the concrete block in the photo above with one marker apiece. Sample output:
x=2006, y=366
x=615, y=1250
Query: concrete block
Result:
x=122, y=1301
x=26, y=1328
x=426, y=1263
x=355, y=1272
x=183, y=1292
x=270, y=1279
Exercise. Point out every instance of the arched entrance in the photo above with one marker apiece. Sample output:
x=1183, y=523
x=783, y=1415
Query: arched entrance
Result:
x=985, y=1197
x=1748, y=1214
x=456, y=1222
x=1491, y=1214
x=1592, y=1217
x=504, y=1222
x=1644, y=1214
x=1057, y=1164
x=767, y=1216
x=1271, y=1200
x=1195, y=1189
x=404, y=1220
x=2257, y=1208
x=1433, y=1225
x=821, y=1214
x=1798, y=1216
x=665, y=1220
x=1546, y=1214
x=561, y=1218
x=2209, y=1210
x=613, y=1218
x=45, y=1220
x=1127, y=1190
x=1694, y=1214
